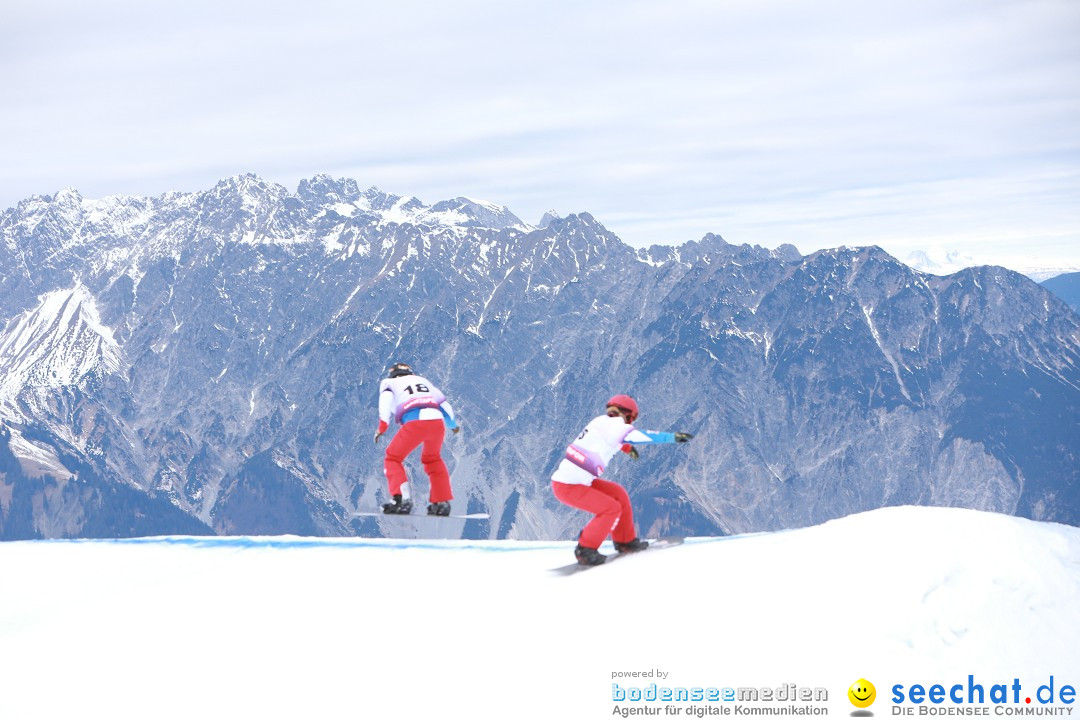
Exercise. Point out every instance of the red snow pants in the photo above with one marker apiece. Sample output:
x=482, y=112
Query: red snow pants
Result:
x=430, y=433
x=608, y=501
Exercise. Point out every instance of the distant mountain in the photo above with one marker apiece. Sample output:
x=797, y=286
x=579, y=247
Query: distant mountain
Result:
x=209, y=362
x=1066, y=287
x=939, y=261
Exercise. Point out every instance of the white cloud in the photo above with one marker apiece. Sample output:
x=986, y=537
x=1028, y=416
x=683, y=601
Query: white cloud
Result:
x=820, y=124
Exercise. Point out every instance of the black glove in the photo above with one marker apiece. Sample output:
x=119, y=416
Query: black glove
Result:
x=633, y=453
x=683, y=437
x=457, y=429
x=377, y=436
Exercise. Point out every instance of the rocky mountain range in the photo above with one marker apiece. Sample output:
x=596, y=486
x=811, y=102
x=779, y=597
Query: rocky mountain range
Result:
x=208, y=362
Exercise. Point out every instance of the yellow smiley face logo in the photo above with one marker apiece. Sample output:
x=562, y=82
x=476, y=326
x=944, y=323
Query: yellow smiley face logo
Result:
x=862, y=693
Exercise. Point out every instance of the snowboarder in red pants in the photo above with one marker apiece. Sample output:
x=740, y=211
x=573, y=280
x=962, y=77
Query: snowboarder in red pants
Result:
x=576, y=481
x=424, y=414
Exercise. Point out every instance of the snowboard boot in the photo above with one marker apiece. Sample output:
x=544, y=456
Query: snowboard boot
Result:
x=398, y=507
x=439, y=508
x=588, y=556
x=635, y=545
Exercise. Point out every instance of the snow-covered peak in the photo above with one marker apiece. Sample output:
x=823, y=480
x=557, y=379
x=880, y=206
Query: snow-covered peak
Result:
x=549, y=217
x=56, y=344
x=942, y=261
x=1040, y=273
x=124, y=234
x=323, y=189
x=713, y=246
x=68, y=196
x=459, y=214
x=939, y=261
x=249, y=189
x=475, y=213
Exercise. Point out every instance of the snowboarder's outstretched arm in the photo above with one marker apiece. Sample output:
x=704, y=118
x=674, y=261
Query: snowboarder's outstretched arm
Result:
x=641, y=437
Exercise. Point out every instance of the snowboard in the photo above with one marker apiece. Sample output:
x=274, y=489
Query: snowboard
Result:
x=661, y=544
x=459, y=516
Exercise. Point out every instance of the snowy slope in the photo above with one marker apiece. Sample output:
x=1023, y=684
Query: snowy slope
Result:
x=290, y=627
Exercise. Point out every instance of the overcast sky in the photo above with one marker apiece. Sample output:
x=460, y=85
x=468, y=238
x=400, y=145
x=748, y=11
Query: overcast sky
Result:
x=951, y=123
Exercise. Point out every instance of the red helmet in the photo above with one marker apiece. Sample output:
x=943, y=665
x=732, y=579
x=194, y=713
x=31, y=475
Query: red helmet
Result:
x=624, y=402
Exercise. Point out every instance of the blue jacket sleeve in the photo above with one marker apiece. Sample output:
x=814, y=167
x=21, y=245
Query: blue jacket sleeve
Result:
x=640, y=437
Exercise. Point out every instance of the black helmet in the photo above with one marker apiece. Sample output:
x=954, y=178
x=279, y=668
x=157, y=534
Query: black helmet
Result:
x=399, y=369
